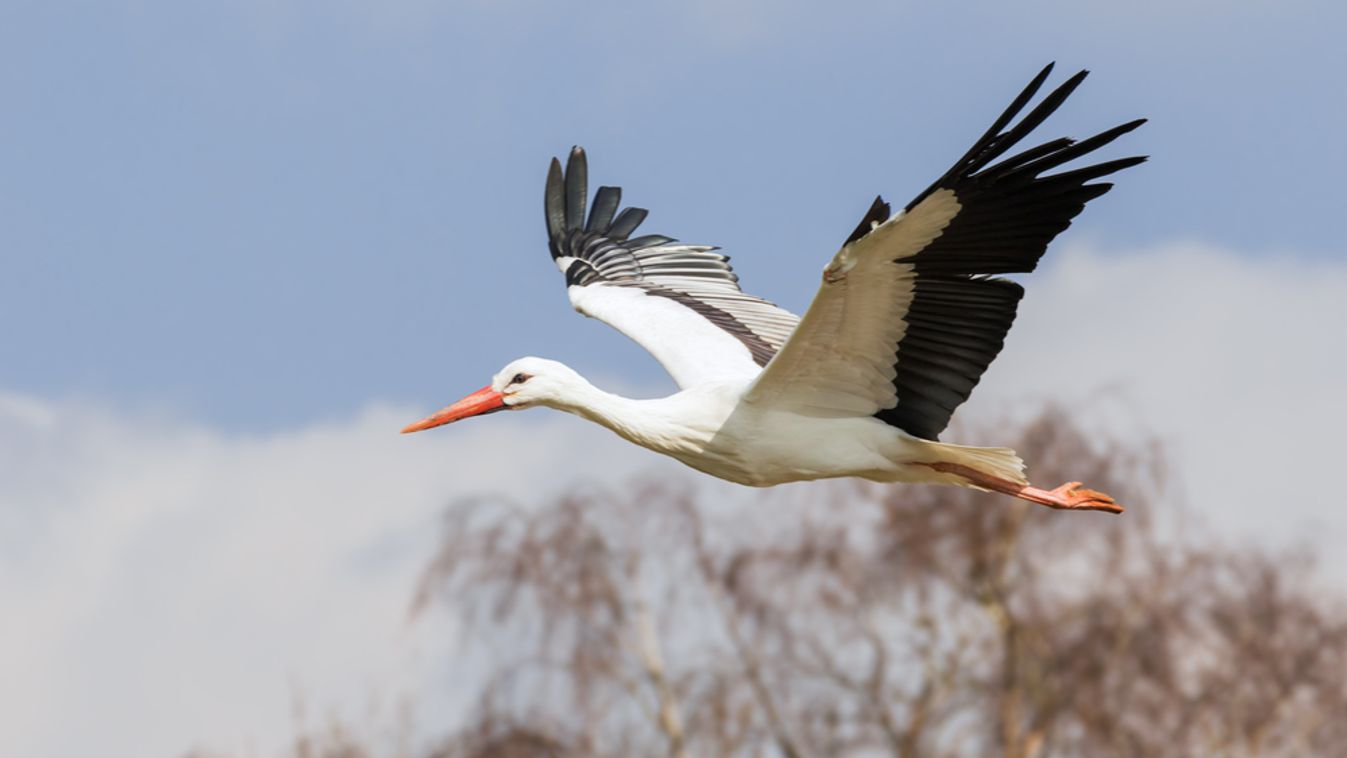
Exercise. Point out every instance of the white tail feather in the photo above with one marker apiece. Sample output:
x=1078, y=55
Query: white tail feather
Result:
x=1000, y=462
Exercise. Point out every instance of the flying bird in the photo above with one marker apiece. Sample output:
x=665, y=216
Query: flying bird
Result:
x=908, y=316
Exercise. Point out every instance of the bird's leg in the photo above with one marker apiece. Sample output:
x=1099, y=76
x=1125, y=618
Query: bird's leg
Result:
x=1068, y=496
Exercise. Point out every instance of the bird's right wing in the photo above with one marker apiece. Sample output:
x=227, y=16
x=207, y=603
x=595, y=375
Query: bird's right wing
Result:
x=908, y=316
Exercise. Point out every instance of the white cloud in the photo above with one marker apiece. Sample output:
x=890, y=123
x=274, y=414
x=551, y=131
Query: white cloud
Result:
x=164, y=585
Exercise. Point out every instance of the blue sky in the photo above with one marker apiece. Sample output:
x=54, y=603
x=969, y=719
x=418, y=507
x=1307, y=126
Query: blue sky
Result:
x=265, y=213
x=241, y=244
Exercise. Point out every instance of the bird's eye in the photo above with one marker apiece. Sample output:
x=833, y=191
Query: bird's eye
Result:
x=519, y=379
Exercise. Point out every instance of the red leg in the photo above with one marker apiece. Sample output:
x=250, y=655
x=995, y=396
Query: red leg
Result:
x=1068, y=496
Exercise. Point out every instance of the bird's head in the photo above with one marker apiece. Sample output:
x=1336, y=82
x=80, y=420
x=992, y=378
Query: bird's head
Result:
x=523, y=383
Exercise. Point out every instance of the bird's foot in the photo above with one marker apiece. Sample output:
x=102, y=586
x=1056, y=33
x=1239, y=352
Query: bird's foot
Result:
x=1070, y=496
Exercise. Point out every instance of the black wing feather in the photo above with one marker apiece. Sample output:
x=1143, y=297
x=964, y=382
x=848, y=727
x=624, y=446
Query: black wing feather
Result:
x=626, y=223
x=606, y=201
x=554, y=203
x=577, y=185
x=1009, y=212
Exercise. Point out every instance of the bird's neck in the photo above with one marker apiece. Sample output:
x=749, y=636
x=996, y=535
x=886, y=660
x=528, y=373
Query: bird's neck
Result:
x=653, y=423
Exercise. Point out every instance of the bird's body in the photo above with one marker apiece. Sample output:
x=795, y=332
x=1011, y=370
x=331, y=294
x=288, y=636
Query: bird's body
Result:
x=714, y=429
x=908, y=316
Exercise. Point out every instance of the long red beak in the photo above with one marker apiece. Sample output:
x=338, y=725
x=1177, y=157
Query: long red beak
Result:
x=484, y=400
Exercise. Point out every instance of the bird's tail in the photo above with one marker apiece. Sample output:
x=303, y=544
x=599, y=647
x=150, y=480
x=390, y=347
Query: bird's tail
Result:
x=1000, y=462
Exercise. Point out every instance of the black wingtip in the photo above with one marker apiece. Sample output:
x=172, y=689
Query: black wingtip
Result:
x=1071, y=84
x=576, y=156
x=577, y=187
x=554, y=202
x=1042, y=76
x=626, y=223
x=1135, y=160
x=565, y=203
x=1058, y=152
x=606, y=202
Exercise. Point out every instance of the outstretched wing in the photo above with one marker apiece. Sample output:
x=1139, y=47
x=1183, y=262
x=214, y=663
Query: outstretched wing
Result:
x=909, y=315
x=680, y=302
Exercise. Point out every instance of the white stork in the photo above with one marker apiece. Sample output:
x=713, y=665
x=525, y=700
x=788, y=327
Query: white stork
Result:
x=907, y=318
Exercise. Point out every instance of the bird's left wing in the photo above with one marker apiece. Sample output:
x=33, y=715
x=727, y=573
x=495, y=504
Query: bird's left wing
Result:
x=681, y=302
x=909, y=315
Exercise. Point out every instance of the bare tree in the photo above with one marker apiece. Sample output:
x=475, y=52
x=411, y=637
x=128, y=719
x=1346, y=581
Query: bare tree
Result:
x=857, y=619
